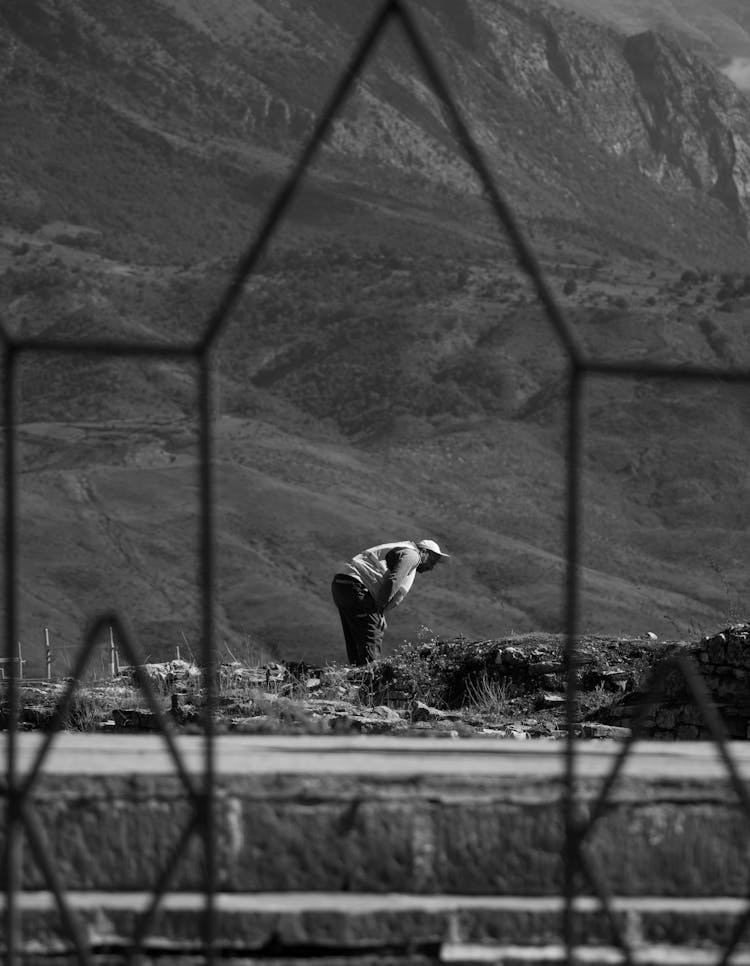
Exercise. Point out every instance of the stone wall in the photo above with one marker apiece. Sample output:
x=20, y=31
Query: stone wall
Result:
x=672, y=711
x=365, y=850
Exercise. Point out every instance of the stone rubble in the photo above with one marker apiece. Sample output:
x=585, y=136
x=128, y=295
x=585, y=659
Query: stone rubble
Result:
x=522, y=693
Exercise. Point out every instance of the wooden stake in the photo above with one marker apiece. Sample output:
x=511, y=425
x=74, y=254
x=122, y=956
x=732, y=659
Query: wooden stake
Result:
x=112, y=653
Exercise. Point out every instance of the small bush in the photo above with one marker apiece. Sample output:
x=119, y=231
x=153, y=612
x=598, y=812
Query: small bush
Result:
x=84, y=713
x=440, y=673
x=488, y=695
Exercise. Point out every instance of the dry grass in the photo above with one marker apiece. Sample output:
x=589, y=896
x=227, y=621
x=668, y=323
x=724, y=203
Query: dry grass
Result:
x=489, y=696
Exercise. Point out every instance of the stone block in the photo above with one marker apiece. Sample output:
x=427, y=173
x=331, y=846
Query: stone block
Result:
x=710, y=926
x=345, y=928
x=666, y=718
x=331, y=845
x=590, y=729
x=110, y=836
x=499, y=847
x=737, y=651
x=443, y=823
x=715, y=649
x=336, y=836
x=673, y=848
x=691, y=714
x=540, y=668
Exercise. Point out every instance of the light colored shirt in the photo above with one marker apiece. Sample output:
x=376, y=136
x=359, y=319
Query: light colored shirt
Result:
x=387, y=571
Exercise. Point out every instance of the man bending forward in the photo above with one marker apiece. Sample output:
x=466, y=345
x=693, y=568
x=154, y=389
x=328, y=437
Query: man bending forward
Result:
x=376, y=581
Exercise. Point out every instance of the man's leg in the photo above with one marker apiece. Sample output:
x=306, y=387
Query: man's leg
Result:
x=360, y=620
x=371, y=641
x=350, y=638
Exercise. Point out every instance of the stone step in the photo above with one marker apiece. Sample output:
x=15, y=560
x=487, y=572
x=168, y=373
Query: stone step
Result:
x=378, y=815
x=450, y=929
x=657, y=955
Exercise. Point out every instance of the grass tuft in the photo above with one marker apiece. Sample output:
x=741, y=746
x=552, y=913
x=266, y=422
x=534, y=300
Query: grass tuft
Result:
x=488, y=695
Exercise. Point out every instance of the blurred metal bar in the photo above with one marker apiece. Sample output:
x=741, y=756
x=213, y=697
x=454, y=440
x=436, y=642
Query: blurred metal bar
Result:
x=147, y=919
x=41, y=854
x=91, y=639
x=605, y=898
x=283, y=199
x=657, y=370
x=109, y=348
x=526, y=257
x=207, y=805
x=60, y=714
x=19, y=808
x=706, y=705
x=12, y=856
x=137, y=660
x=573, y=467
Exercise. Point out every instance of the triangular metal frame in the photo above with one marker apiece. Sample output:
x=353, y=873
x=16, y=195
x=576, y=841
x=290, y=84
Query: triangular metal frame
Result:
x=654, y=693
x=25, y=813
x=200, y=351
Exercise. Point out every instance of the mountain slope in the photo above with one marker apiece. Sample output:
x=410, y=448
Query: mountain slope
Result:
x=387, y=371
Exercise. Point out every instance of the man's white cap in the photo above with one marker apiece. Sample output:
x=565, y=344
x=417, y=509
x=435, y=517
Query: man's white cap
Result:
x=432, y=547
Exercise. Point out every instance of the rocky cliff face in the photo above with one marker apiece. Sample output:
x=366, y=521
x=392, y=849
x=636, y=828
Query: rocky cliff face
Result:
x=698, y=123
x=543, y=89
x=642, y=98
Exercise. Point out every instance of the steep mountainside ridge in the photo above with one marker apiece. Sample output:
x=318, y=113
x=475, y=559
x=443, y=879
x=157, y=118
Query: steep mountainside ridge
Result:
x=696, y=121
x=508, y=64
x=642, y=98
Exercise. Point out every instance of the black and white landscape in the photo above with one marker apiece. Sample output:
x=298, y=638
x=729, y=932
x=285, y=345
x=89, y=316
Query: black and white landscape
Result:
x=388, y=371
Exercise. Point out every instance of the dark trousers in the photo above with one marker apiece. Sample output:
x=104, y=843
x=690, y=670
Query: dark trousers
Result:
x=362, y=622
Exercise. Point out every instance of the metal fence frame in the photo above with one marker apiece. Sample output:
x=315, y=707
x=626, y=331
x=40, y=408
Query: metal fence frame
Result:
x=17, y=789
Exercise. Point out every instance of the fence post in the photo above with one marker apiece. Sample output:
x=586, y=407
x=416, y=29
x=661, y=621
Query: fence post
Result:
x=20, y=662
x=49, y=653
x=112, y=653
x=177, y=648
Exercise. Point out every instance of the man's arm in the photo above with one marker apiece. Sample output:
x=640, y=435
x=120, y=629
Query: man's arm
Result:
x=401, y=561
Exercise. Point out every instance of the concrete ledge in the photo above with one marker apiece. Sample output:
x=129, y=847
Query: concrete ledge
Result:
x=147, y=754
x=382, y=850
x=446, y=927
x=463, y=955
x=423, y=816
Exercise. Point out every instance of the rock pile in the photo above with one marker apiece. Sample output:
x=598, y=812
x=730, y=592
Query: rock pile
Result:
x=512, y=687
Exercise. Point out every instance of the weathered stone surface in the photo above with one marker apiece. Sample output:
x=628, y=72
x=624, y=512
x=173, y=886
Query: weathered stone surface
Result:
x=423, y=712
x=593, y=730
x=270, y=925
x=424, y=819
x=354, y=850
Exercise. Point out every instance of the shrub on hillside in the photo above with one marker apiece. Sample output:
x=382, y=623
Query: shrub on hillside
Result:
x=725, y=292
x=440, y=673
